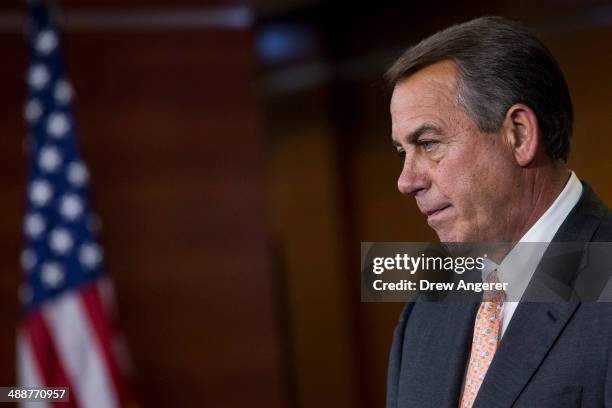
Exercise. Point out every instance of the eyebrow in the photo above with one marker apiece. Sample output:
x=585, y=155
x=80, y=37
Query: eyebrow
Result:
x=413, y=136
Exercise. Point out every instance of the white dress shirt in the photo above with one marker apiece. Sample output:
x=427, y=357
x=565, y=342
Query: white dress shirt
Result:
x=518, y=267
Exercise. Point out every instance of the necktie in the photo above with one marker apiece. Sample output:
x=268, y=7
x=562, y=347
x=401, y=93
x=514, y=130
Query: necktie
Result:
x=484, y=342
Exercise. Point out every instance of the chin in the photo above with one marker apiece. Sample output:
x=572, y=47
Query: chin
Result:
x=452, y=235
x=447, y=236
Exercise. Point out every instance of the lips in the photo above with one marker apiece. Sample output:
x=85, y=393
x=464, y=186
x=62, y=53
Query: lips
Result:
x=434, y=211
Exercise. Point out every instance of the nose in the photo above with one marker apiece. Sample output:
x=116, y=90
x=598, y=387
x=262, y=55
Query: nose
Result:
x=413, y=178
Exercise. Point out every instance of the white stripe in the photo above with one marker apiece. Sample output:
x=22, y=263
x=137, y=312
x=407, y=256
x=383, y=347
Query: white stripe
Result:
x=79, y=351
x=27, y=369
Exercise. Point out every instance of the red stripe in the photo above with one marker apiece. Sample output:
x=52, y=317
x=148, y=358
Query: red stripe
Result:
x=43, y=349
x=102, y=325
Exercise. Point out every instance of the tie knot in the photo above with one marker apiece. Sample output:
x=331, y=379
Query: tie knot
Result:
x=492, y=277
x=496, y=296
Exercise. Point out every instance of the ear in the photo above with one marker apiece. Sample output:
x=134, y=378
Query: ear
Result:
x=522, y=133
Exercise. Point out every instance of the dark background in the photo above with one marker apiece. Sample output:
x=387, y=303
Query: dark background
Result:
x=236, y=172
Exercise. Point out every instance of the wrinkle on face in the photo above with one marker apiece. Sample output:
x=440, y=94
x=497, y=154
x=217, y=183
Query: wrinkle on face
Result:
x=473, y=172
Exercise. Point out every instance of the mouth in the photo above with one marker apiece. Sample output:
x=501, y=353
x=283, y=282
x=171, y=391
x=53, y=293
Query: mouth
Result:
x=434, y=213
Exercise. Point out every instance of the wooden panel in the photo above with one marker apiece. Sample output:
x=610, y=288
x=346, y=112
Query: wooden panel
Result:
x=12, y=178
x=587, y=69
x=306, y=209
x=169, y=124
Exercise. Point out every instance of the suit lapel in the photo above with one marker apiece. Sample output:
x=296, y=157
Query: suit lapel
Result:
x=535, y=326
x=553, y=280
x=531, y=333
x=582, y=222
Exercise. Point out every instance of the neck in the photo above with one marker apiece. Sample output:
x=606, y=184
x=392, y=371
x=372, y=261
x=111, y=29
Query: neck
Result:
x=543, y=185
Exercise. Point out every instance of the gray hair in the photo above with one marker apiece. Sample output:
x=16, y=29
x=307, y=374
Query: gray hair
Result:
x=500, y=63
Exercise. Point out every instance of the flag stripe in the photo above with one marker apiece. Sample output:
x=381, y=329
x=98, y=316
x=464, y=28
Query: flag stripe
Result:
x=27, y=371
x=46, y=356
x=79, y=349
x=90, y=297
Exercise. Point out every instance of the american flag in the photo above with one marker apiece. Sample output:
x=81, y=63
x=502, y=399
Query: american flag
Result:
x=67, y=335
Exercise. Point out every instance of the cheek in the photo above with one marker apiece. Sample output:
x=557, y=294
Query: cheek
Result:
x=474, y=186
x=473, y=171
x=459, y=181
x=489, y=189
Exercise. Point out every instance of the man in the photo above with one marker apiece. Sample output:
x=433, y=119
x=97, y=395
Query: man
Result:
x=482, y=116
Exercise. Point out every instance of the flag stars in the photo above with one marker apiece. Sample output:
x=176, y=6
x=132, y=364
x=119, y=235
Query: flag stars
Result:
x=63, y=92
x=41, y=192
x=71, y=207
x=52, y=275
x=46, y=41
x=49, y=159
x=60, y=241
x=77, y=174
x=33, y=110
x=34, y=225
x=90, y=255
x=58, y=125
x=38, y=76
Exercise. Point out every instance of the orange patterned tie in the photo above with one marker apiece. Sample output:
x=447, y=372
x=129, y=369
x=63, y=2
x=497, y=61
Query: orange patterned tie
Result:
x=486, y=336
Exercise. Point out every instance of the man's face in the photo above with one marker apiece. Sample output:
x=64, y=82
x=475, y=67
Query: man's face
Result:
x=463, y=180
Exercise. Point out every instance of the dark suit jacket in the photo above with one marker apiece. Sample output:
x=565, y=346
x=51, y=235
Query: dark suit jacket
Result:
x=553, y=355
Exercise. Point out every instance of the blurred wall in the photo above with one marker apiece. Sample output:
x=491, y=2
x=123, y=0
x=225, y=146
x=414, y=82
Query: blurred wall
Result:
x=12, y=177
x=169, y=123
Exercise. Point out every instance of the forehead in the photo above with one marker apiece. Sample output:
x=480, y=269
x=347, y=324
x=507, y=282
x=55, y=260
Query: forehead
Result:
x=430, y=90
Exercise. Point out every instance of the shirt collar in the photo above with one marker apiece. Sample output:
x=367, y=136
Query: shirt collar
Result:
x=519, y=265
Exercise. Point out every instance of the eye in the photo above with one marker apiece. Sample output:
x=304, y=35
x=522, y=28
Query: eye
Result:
x=428, y=145
x=401, y=152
